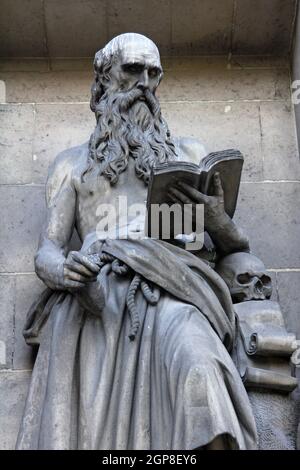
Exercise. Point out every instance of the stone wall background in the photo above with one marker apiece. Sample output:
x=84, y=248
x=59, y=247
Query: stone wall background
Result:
x=296, y=71
x=76, y=28
x=225, y=99
x=243, y=103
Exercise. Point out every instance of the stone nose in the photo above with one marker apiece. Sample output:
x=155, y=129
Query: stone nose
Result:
x=258, y=283
x=144, y=79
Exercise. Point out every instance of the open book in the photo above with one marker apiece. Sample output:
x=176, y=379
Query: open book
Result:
x=228, y=163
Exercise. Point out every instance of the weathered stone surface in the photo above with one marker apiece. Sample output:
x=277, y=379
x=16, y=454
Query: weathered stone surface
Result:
x=296, y=76
x=76, y=29
x=17, y=293
x=196, y=63
x=297, y=115
x=270, y=214
x=22, y=31
x=28, y=288
x=22, y=215
x=200, y=80
x=276, y=417
x=258, y=61
x=289, y=297
x=74, y=64
x=129, y=15
x=217, y=82
x=36, y=87
x=16, y=135
x=13, y=64
x=279, y=144
x=58, y=127
x=7, y=310
x=221, y=126
x=13, y=391
x=274, y=295
x=201, y=29
x=263, y=25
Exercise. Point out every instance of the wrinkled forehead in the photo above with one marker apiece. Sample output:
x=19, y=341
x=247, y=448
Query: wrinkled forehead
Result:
x=133, y=48
x=140, y=52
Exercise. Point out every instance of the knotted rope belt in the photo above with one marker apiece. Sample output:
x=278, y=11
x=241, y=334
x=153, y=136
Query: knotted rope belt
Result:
x=137, y=283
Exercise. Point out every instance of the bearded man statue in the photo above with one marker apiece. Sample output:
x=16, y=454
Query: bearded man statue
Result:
x=133, y=335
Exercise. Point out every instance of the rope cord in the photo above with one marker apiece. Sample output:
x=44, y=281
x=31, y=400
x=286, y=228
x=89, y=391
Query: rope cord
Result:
x=137, y=283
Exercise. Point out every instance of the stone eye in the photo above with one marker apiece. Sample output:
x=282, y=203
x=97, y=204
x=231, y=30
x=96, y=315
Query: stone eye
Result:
x=244, y=278
x=153, y=72
x=266, y=280
x=133, y=68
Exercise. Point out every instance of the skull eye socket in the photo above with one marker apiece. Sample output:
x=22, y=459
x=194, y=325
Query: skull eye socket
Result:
x=244, y=278
x=266, y=280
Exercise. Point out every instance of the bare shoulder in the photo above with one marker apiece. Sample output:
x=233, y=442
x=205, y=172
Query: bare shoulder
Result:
x=69, y=162
x=66, y=169
x=191, y=150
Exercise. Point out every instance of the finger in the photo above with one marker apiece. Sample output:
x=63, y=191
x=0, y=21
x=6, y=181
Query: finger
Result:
x=218, y=190
x=73, y=284
x=82, y=259
x=193, y=193
x=79, y=268
x=174, y=199
x=180, y=196
x=73, y=276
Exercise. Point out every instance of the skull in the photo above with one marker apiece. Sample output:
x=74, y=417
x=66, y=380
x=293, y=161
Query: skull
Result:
x=245, y=276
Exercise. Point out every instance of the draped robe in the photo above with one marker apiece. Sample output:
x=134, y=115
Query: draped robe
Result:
x=173, y=387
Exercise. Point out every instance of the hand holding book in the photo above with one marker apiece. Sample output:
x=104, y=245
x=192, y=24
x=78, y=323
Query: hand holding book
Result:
x=216, y=221
x=214, y=210
x=213, y=183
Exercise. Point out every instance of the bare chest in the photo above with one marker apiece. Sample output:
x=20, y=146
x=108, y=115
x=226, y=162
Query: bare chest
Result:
x=99, y=202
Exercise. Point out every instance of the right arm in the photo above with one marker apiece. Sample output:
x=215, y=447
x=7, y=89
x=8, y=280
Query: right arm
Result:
x=52, y=265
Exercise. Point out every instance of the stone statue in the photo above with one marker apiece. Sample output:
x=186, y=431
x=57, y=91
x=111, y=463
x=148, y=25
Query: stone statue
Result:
x=134, y=335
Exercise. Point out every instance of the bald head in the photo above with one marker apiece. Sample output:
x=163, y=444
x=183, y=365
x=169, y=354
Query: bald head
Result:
x=128, y=61
x=131, y=47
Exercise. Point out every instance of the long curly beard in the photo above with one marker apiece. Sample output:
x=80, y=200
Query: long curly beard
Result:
x=129, y=124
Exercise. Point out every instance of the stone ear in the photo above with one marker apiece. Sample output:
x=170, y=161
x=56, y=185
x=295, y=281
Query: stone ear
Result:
x=96, y=93
x=102, y=66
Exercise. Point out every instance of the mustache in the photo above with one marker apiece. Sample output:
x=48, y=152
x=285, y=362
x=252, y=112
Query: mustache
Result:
x=125, y=100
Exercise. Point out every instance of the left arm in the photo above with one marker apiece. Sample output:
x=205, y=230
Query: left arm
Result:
x=228, y=237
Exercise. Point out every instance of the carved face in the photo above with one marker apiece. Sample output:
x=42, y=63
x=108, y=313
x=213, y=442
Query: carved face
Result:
x=138, y=63
x=245, y=276
x=128, y=114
